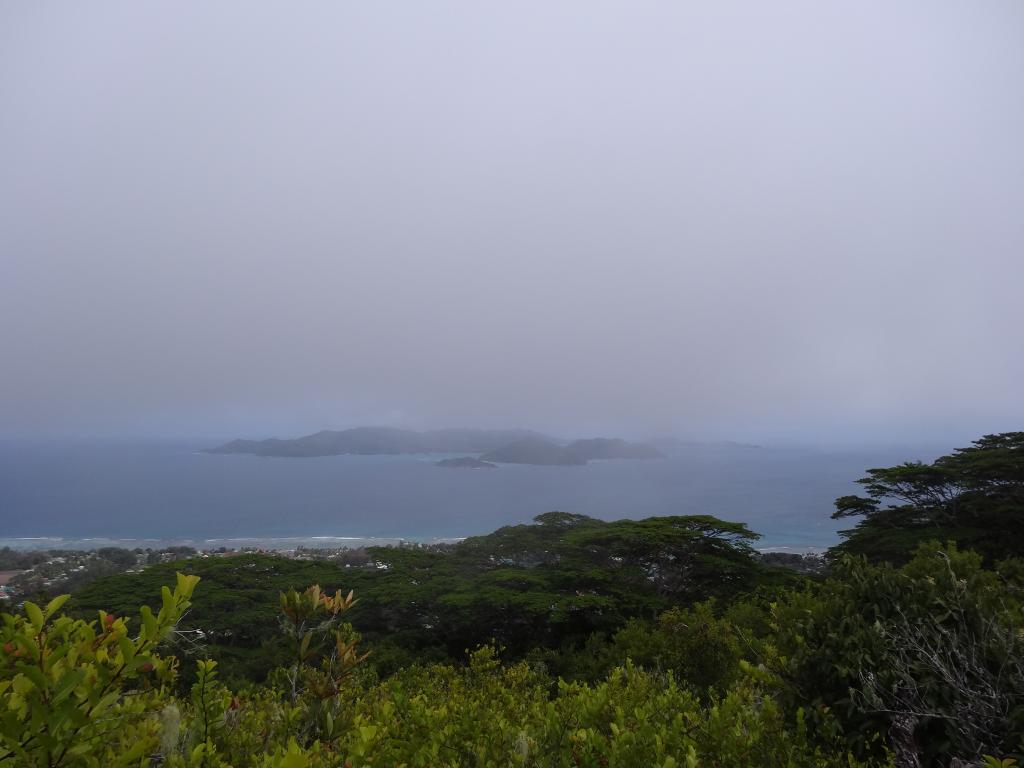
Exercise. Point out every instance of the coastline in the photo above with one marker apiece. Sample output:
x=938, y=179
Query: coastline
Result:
x=266, y=543
x=279, y=543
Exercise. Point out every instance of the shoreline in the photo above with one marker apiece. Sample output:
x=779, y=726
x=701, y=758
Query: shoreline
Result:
x=267, y=543
x=280, y=543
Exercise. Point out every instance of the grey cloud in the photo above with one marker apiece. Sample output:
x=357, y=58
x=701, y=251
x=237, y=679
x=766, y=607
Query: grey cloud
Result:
x=714, y=218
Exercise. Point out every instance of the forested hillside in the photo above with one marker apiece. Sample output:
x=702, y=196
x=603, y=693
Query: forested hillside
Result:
x=529, y=588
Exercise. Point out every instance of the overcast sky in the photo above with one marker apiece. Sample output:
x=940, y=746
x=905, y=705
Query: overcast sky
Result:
x=756, y=220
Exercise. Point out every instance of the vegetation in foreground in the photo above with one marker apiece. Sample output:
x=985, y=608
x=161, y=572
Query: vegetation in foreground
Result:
x=658, y=642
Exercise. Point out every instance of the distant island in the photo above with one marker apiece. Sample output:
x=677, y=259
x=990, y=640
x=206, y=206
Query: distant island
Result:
x=466, y=462
x=492, y=446
x=373, y=441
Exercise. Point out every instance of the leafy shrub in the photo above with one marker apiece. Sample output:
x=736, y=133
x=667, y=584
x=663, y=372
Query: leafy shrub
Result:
x=64, y=684
x=930, y=654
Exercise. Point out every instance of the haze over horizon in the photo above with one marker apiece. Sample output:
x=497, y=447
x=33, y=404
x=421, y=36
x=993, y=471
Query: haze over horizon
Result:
x=795, y=221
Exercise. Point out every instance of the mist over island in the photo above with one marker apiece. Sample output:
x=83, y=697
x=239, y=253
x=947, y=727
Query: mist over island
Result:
x=502, y=446
x=576, y=384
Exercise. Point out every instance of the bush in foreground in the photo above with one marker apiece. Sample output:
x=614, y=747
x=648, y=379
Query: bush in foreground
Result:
x=95, y=693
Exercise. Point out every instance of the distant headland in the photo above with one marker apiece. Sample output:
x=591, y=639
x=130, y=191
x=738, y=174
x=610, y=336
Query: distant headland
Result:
x=491, y=446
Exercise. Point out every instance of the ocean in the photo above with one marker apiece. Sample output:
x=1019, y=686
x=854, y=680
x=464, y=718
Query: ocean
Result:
x=86, y=494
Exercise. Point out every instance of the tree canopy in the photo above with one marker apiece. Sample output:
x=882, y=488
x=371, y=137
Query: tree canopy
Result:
x=974, y=496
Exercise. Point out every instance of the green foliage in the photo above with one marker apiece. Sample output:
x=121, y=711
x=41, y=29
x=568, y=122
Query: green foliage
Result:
x=484, y=714
x=210, y=702
x=988, y=761
x=64, y=684
x=311, y=619
x=236, y=610
x=550, y=585
x=556, y=582
x=15, y=560
x=931, y=654
x=490, y=714
x=975, y=497
x=837, y=667
x=701, y=649
x=493, y=715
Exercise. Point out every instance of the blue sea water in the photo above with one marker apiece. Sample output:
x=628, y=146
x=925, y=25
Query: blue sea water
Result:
x=164, y=491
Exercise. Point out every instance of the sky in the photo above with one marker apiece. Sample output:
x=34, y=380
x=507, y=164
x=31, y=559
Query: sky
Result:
x=792, y=220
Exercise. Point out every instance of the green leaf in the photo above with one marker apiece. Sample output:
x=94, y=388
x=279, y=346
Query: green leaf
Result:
x=55, y=605
x=67, y=684
x=127, y=648
x=30, y=673
x=34, y=615
x=149, y=624
x=168, y=602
